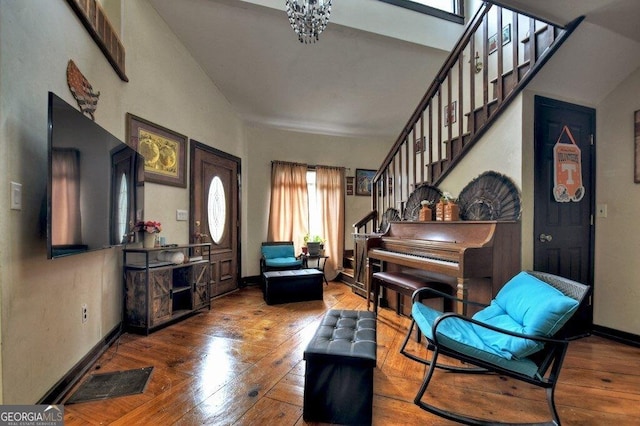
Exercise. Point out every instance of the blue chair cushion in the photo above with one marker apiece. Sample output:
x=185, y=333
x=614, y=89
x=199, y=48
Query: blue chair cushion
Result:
x=459, y=335
x=525, y=305
x=282, y=262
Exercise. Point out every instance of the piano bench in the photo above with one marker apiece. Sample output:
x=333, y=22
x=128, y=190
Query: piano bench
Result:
x=340, y=360
x=404, y=285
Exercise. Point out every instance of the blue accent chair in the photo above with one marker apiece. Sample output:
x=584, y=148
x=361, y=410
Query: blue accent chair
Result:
x=519, y=335
x=279, y=256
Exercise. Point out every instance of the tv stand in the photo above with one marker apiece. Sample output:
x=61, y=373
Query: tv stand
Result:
x=159, y=292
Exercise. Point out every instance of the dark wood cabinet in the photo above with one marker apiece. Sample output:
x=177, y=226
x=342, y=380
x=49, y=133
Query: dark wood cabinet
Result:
x=158, y=292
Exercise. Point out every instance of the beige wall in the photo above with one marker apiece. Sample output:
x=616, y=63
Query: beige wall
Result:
x=271, y=144
x=617, y=270
x=42, y=332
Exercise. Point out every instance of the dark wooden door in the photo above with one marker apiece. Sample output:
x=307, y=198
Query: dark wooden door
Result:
x=563, y=221
x=215, y=213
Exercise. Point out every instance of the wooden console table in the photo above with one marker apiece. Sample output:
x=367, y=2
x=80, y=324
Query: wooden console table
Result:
x=159, y=292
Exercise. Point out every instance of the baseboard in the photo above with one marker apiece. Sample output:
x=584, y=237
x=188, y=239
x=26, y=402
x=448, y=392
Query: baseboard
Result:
x=619, y=336
x=57, y=393
x=251, y=280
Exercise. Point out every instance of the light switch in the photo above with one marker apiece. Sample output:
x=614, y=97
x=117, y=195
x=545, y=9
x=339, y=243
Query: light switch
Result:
x=182, y=215
x=16, y=196
x=601, y=210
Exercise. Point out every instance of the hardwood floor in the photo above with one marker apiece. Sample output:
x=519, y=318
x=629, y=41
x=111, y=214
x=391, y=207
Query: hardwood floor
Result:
x=241, y=364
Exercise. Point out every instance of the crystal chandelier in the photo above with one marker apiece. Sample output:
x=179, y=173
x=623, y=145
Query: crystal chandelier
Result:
x=308, y=18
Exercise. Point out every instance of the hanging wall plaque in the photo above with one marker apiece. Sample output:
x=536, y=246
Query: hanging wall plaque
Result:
x=567, y=169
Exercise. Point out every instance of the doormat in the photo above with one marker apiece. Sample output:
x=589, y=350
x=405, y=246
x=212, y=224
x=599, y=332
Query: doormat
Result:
x=111, y=385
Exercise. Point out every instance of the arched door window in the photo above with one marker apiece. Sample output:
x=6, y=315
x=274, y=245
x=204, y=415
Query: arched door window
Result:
x=217, y=209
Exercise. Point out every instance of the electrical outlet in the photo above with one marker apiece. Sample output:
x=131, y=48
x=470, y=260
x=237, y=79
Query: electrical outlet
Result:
x=182, y=215
x=85, y=313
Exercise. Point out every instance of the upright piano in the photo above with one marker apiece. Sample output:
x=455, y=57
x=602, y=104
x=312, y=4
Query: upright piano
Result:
x=475, y=257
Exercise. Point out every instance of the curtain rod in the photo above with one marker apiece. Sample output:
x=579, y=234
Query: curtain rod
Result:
x=311, y=166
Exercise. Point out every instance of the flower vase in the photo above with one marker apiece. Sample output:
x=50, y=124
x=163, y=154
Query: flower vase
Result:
x=148, y=240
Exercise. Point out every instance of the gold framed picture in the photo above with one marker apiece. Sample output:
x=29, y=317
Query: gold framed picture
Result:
x=164, y=151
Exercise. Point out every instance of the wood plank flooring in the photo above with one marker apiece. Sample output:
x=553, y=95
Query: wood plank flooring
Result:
x=241, y=364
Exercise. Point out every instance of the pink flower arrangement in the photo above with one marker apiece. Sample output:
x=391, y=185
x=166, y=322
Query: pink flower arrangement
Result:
x=149, y=226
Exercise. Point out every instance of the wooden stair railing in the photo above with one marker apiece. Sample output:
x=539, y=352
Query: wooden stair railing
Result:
x=484, y=73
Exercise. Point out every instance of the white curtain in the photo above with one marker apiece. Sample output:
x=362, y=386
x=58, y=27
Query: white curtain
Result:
x=330, y=195
x=289, y=210
x=66, y=222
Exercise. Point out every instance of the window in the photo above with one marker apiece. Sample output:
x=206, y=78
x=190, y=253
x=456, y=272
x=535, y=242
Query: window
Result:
x=315, y=219
x=451, y=10
x=217, y=208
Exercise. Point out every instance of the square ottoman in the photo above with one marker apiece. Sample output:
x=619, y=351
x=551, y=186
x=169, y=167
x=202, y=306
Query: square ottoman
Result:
x=340, y=359
x=292, y=286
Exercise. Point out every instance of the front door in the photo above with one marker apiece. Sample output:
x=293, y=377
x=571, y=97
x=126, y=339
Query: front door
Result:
x=564, y=189
x=215, y=213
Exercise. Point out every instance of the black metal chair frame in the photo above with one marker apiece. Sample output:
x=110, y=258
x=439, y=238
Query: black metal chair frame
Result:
x=548, y=360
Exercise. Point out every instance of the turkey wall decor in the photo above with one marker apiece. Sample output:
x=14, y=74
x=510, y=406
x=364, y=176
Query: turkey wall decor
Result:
x=164, y=151
x=82, y=90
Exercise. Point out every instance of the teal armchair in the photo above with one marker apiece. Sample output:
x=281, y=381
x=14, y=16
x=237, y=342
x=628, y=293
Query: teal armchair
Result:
x=279, y=256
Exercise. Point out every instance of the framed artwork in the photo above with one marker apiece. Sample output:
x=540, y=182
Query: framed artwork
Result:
x=164, y=151
x=506, y=38
x=636, y=169
x=350, y=180
x=363, y=181
x=450, y=113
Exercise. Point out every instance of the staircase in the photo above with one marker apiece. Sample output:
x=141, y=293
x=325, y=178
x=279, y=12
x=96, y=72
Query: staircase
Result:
x=498, y=54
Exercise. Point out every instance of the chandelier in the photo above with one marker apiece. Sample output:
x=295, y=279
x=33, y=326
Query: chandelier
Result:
x=308, y=18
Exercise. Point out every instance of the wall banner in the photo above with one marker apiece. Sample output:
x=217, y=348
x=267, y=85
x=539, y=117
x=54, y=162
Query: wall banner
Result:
x=567, y=170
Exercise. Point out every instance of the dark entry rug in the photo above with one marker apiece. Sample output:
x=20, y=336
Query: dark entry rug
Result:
x=111, y=385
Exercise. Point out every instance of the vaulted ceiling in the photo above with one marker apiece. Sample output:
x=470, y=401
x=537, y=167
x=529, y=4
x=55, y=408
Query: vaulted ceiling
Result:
x=367, y=73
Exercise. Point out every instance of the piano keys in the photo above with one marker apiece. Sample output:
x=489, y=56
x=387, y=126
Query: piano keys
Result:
x=474, y=257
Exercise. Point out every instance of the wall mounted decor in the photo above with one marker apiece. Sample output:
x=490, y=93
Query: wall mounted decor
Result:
x=450, y=113
x=350, y=180
x=164, y=151
x=82, y=90
x=636, y=169
x=506, y=38
x=364, y=178
x=95, y=20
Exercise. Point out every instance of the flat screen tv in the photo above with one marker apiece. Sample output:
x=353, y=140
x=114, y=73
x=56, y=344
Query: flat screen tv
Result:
x=94, y=187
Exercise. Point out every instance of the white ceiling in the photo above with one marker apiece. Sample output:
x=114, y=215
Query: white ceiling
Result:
x=354, y=81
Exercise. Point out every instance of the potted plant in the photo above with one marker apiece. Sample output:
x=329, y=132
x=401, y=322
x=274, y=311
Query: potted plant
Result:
x=149, y=229
x=314, y=244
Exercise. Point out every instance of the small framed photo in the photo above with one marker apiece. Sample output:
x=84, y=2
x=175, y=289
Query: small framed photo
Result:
x=506, y=39
x=164, y=151
x=350, y=180
x=450, y=113
x=636, y=169
x=364, y=178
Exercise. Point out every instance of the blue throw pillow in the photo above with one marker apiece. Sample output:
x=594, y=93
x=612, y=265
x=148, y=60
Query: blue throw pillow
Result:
x=541, y=309
x=525, y=305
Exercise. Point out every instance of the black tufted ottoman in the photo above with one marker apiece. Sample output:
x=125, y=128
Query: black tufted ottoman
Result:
x=338, y=380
